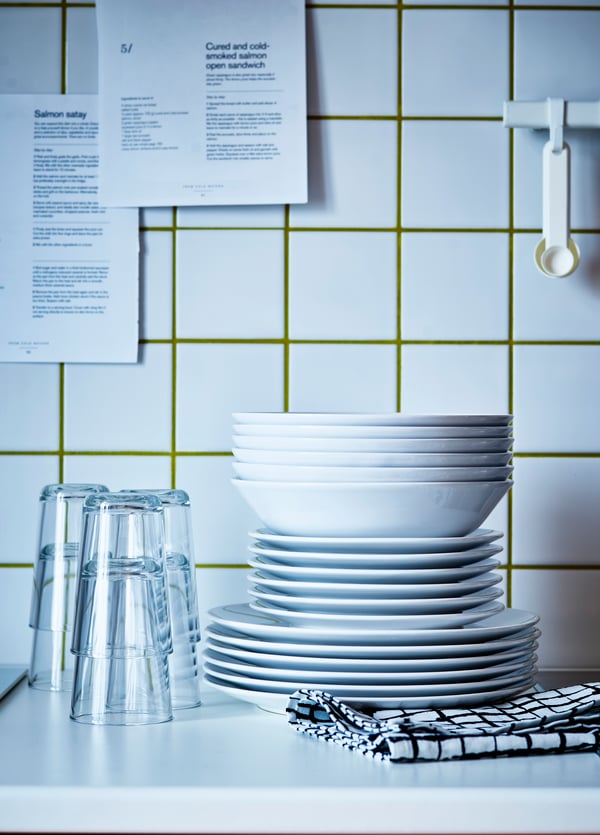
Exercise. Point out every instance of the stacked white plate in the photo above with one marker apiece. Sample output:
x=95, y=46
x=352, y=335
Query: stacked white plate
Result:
x=372, y=579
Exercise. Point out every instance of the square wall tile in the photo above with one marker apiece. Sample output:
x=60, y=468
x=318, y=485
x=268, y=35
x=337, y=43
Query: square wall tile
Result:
x=556, y=54
x=29, y=417
x=454, y=174
x=343, y=378
x=224, y=216
x=30, y=50
x=342, y=285
x=230, y=284
x=15, y=635
x=158, y=217
x=120, y=407
x=338, y=83
x=219, y=587
x=546, y=308
x=585, y=174
x=557, y=398
x=120, y=472
x=555, y=511
x=455, y=63
x=454, y=285
x=220, y=517
x=22, y=478
x=455, y=379
x=567, y=603
x=352, y=175
x=464, y=3
x=156, y=285
x=82, y=51
x=214, y=380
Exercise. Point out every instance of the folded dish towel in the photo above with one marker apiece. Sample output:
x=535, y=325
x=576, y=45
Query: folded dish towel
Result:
x=548, y=722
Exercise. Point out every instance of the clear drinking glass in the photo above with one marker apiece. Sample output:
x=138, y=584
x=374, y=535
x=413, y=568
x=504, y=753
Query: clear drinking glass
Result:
x=54, y=583
x=122, y=631
x=184, y=663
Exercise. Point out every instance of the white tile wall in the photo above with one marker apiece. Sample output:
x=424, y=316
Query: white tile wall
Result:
x=455, y=379
x=555, y=519
x=454, y=175
x=323, y=378
x=455, y=285
x=352, y=175
x=338, y=83
x=230, y=284
x=156, y=285
x=343, y=285
x=455, y=63
x=406, y=280
x=214, y=380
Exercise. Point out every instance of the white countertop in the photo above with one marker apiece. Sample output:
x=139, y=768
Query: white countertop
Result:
x=228, y=767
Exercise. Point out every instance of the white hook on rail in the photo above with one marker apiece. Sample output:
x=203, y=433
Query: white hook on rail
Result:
x=556, y=255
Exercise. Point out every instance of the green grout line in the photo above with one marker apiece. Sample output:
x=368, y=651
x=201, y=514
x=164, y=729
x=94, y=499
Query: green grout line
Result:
x=28, y=565
x=239, y=565
x=61, y=422
x=204, y=453
x=399, y=138
x=286, y=310
x=174, y=349
x=554, y=567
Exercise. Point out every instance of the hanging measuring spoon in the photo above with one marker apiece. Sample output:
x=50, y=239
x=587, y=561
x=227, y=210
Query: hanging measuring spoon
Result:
x=556, y=254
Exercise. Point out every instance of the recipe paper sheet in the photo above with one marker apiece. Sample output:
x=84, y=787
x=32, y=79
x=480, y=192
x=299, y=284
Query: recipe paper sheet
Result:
x=68, y=266
x=202, y=102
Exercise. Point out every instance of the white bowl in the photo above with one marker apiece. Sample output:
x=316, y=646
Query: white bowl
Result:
x=337, y=444
x=333, y=431
x=369, y=419
x=372, y=459
x=282, y=472
x=402, y=509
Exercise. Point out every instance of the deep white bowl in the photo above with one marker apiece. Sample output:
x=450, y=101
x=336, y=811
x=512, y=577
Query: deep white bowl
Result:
x=282, y=472
x=343, y=431
x=336, y=444
x=372, y=459
x=402, y=509
x=369, y=419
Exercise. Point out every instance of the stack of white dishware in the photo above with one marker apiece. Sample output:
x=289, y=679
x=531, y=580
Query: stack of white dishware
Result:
x=372, y=579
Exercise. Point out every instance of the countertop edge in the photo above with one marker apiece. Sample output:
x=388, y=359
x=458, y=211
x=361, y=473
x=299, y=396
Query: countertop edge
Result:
x=299, y=810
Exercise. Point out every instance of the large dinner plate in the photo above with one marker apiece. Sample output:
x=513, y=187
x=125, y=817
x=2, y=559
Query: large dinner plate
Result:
x=352, y=691
x=369, y=419
x=378, y=544
x=250, y=622
x=349, y=608
x=366, y=658
x=278, y=702
x=363, y=571
x=373, y=591
x=223, y=665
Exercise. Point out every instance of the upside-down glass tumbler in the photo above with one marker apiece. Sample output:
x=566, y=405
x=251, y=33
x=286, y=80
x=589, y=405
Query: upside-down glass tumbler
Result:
x=122, y=631
x=184, y=663
x=54, y=583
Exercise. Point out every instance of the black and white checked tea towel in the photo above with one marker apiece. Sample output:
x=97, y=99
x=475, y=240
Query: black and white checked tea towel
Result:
x=549, y=722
